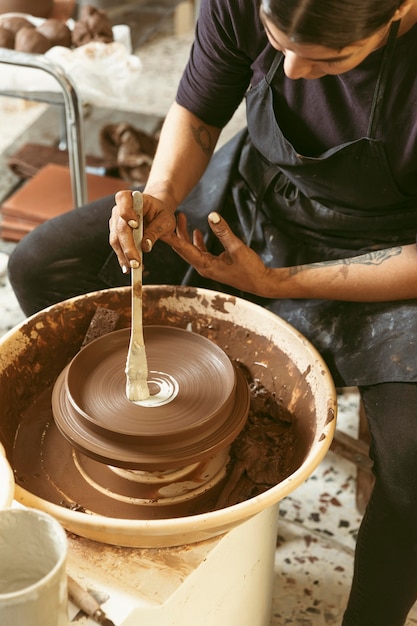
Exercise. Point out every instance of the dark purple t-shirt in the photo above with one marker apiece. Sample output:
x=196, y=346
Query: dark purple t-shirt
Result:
x=231, y=52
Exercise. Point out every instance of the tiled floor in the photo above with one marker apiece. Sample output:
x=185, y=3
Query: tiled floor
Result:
x=319, y=520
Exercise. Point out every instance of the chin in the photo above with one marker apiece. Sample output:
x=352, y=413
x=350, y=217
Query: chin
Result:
x=315, y=76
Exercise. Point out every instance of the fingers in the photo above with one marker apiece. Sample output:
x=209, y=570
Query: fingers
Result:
x=122, y=242
x=181, y=229
x=237, y=265
x=124, y=203
x=214, y=218
x=182, y=233
x=159, y=223
x=224, y=234
x=183, y=243
x=198, y=241
x=180, y=241
x=124, y=207
x=122, y=223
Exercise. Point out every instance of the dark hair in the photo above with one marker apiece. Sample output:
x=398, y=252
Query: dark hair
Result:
x=330, y=23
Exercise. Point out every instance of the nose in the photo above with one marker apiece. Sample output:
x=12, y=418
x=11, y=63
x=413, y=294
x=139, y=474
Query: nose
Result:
x=295, y=66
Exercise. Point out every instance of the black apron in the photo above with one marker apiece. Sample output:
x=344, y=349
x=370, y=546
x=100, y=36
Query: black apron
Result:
x=292, y=210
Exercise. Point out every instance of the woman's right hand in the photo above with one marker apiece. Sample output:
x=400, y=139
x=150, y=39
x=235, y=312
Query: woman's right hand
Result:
x=184, y=151
x=158, y=222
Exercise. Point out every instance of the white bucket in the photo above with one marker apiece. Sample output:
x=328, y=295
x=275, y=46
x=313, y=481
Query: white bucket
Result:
x=33, y=583
x=6, y=481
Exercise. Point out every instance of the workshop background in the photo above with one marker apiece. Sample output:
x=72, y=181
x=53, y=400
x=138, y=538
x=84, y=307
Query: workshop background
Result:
x=319, y=520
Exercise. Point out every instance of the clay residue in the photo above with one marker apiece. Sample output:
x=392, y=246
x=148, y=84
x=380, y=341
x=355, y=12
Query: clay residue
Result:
x=93, y=25
x=45, y=464
x=262, y=455
x=43, y=459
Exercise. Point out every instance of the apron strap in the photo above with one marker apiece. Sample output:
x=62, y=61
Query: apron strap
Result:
x=268, y=178
x=382, y=80
x=274, y=66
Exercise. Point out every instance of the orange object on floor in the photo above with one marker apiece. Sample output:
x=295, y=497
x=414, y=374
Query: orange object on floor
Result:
x=47, y=195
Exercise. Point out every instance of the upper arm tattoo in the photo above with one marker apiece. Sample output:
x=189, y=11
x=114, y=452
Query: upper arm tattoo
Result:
x=203, y=138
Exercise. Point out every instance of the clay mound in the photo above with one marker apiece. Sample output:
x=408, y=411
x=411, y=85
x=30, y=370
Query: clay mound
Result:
x=57, y=32
x=30, y=40
x=6, y=38
x=14, y=23
x=93, y=25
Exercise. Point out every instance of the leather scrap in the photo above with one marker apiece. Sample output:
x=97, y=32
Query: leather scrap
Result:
x=32, y=157
x=131, y=149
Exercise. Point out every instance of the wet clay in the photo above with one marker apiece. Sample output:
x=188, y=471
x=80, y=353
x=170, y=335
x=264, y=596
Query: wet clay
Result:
x=202, y=407
x=47, y=465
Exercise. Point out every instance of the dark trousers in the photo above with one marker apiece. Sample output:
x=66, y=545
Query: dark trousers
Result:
x=384, y=584
x=70, y=255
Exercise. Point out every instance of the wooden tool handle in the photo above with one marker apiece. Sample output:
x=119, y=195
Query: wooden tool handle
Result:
x=136, y=366
x=81, y=597
x=86, y=602
x=138, y=232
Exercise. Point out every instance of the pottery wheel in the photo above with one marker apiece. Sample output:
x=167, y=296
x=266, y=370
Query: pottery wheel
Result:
x=198, y=405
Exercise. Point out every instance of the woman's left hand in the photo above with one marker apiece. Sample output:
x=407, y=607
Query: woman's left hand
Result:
x=376, y=276
x=238, y=266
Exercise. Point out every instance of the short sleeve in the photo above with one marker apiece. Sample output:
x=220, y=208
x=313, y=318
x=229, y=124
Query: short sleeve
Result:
x=218, y=73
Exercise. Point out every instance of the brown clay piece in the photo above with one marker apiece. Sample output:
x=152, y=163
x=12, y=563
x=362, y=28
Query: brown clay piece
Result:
x=57, y=32
x=31, y=40
x=14, y=23
x=93, y=25
x=6, y=38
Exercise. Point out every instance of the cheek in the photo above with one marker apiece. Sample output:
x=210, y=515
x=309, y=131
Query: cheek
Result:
x=334, y=69
x=345, y=66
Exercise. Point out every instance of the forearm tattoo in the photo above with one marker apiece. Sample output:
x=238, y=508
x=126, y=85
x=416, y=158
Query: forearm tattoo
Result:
x=203, y=138
x=376, y=257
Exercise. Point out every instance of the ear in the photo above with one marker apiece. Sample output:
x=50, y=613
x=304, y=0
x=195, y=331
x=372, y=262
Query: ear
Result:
x=403, y=9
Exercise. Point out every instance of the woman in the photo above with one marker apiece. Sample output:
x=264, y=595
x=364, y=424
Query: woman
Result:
x=312, y=213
